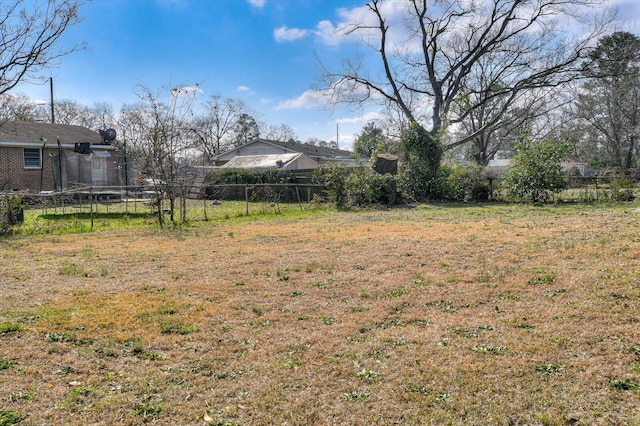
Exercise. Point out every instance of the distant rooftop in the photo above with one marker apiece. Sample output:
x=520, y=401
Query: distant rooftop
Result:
x=271, y=161
x=25, y=131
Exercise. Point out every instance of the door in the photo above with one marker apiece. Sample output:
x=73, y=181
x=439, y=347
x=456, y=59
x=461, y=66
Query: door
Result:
x=99, y=170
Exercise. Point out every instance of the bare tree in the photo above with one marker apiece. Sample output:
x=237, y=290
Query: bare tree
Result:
x=215, y=128
x=281, y=133
x=30, y=32
x=430, y=74
x=610, y=100
x=245, y=130
x=17, y=107
x=163, y=127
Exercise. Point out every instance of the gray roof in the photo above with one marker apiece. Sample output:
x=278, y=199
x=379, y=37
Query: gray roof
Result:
x=309, y=150
x=269, y=161
x=312, y=150
x=24, y=131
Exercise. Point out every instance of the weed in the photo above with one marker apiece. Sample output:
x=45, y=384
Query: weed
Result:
x=510, y=297
x=489, y=349
x=367, y=374
x=169, y=327
x=239, y=283
x=548, y=369
x=355, y=395
x=22, y=396
x=5, y=365
x=150, y=356
x=108, y=351
x=78, y=395
x=327, y=320
x=397, y=341
x=444, y=305
x=73, y=270
x=10, y=327
x=542, y=279
x=9, y=417
x=148, y=410
x=325, y=268
x=555, y=293
x=624, y=385
x=257, y=310
x=525, y=326
x=470, y=332
x=64, y=371
x=282, y=276
x=135, y=345
x=399, y=292
x=70, y=337
x=292, y=363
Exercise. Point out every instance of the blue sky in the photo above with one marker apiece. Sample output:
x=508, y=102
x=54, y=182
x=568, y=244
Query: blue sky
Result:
x=263, y=52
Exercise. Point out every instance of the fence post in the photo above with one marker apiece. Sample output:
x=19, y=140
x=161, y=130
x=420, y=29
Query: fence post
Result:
x=246, y=198
x=299, y=200
x=91, y=205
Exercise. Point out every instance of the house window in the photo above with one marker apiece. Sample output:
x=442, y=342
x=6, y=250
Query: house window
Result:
x=32, y=158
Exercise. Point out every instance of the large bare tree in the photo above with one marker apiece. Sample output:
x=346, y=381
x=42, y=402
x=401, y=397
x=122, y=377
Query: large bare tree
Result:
x=30, y=33
x=160, y=135
x=430, y=59
x=215, y=128
x=610, y=100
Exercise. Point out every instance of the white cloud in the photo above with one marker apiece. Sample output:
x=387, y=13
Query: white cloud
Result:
x=366, y=118
x=284, y=34
x=327, y=33
x=256, y=3
x=244, y=89
x=309, y=99
x=331, y=34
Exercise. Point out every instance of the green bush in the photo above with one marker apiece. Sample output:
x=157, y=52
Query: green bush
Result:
x=536, y=172
x=11, y=213
x=621, y=189
x=357, y=186
x=465, y=183
x=420, y=180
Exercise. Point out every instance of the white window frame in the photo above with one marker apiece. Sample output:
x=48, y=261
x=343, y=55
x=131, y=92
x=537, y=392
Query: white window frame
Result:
x=28, y=162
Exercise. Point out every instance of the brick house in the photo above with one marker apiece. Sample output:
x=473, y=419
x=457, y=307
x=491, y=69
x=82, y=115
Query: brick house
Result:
x=30, y=156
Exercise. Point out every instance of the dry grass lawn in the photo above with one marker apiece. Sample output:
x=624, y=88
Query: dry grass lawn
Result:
x=487, y=315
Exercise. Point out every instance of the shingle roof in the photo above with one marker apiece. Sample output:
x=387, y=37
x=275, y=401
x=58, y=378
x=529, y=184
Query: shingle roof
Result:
x=311, y=150
x=24, y=131
x=269, y=161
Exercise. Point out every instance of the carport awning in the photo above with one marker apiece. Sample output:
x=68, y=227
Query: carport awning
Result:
x=267, y=161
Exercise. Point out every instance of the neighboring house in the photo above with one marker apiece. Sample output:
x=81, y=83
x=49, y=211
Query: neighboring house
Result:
x=501, y=166
x=263, y=154
x=292, y=161
x=30, y=155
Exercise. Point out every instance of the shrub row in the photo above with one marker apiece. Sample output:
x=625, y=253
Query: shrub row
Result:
x=362, y=186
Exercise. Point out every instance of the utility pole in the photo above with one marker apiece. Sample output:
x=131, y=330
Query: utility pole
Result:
x=53, y=116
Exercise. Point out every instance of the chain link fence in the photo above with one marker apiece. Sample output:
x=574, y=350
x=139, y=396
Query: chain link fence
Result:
x=103, y=206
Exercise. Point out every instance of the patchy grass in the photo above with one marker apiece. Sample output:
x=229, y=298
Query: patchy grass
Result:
x=487, y=315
